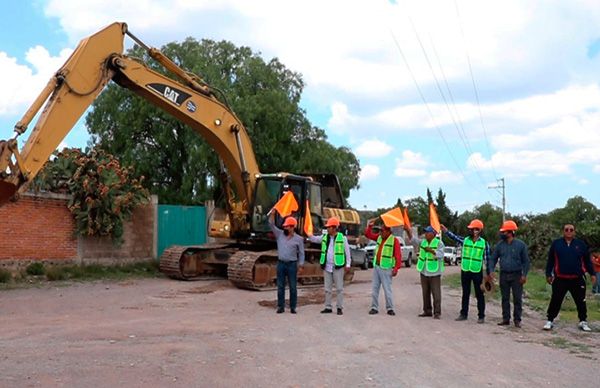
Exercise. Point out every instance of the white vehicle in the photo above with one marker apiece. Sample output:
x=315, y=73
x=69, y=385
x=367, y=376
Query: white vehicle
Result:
x=407, y=252
x=451, y=255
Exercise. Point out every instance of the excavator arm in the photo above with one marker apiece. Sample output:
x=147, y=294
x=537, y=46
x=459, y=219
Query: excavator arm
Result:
x=99, y=59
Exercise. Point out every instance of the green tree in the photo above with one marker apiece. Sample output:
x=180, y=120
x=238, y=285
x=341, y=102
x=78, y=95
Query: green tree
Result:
x=180, y=166
x=581, y=213
x=537, y=232
x=446, y=216
x=418, y=211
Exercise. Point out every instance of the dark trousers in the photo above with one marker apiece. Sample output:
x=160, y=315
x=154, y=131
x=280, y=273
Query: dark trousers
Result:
x=511, y=281
x=559, y=289
x=466, y=278
x=432, y=285
x=289, y=270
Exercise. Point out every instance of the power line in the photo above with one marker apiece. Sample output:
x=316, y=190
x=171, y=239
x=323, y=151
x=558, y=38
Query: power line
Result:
x=487, y=142
x=460, y=128
x=443, y=95
x=429, y=109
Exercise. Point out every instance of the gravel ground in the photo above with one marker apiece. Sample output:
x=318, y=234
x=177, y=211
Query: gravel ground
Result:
x=159, y=332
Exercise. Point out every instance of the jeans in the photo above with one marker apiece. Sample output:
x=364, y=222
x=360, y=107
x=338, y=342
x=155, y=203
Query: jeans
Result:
x=337, y=277
x=466, y=278
x=511, y=281
x=559, y=289
x=289, y=270
x=382, y=277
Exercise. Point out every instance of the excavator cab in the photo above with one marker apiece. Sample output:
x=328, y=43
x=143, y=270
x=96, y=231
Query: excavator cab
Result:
x=270, y=188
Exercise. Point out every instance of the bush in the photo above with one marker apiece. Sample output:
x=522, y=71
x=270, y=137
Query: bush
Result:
x=35, y=269
x=5, y=276
x=55, y=273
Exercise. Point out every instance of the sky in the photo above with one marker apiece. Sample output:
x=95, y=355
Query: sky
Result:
x=450, y=94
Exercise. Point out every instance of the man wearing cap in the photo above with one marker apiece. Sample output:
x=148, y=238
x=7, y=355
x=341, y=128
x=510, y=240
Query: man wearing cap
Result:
x=386, y=262
x=514, y=265
x=568, y=261
x=335, y=261
x=475, y=253
x=290, y=249
x=431, y=266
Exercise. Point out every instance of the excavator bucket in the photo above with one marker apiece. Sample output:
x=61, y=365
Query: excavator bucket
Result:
x=7, y=190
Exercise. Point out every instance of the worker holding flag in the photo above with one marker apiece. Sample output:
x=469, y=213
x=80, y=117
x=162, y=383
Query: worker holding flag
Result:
x=290, y=250
x=430, y=265
x=386, y=260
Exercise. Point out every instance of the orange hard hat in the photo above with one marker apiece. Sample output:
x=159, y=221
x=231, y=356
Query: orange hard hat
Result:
x=475, y=224
x=508, y=225
x=290, y=221
x=333, y=221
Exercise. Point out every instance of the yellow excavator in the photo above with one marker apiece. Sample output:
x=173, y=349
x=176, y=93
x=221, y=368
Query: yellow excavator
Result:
x=245, y=251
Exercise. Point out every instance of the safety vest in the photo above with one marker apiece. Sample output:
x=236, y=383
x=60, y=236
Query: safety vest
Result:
x=339, y=254
x=387, y=259
x=429, y=260
x=472, y=255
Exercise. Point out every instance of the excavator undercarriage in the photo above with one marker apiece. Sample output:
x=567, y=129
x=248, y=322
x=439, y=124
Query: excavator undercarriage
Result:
x=245, y=268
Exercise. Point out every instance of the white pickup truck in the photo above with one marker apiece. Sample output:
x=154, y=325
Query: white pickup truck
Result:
x=452, y=255
x=407, y=252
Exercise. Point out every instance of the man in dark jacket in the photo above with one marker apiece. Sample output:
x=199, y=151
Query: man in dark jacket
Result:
x=568, y=260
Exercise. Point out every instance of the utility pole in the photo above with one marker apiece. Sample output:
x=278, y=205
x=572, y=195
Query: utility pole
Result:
x=500, y=185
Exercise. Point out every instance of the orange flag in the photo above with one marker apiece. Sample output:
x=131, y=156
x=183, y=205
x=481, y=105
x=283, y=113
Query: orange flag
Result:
x=308, y=225
x=406, y=219
x=433, y=218
x=392, y=218
x=286, y=204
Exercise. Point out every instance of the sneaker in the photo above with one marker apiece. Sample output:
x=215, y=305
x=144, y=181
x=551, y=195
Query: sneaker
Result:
x=549, y=325
x=391, y=312
x=461, y=318
x=293, y=311
x=280, y=310
x=436, y=316
x=326, y=311
x=424, y=315
x=340, y=312
x=373, y=312
x=481, y=320
x=518, y=324
x=503, y=323
x=583, y=325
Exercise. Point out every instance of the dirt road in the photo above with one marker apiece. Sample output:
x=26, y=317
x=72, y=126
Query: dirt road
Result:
x=158, y=332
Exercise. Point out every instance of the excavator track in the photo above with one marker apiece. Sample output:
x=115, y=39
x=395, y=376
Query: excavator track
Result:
x=246, y=269
x=258, y=271
x=199, y=262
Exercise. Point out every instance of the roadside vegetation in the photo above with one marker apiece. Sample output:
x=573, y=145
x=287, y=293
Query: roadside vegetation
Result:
x=39, y=274
x=537, y=296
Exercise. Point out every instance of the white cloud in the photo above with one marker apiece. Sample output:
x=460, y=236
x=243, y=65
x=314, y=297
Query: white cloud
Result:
x=596, y=168
x=541, y=163
x=369, y=171
x=412, y=164
x=373, y=149
x=443, y=177
x=22, y=83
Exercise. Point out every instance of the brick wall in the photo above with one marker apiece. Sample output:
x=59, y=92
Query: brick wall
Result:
x=139, y=239
x=41, y=228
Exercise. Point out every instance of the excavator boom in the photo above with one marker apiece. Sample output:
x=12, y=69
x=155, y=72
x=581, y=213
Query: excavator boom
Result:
x=99, y=59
